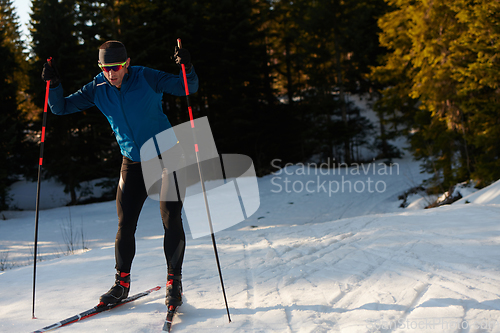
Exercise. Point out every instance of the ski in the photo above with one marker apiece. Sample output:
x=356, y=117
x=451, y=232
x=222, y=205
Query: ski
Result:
x=167, y=326
x=95, y=310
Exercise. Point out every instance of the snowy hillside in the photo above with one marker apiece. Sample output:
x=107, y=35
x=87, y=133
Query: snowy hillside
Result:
x=325, y=252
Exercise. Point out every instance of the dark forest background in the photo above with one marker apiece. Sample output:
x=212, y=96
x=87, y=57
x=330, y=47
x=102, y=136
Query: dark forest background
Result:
x=274, y=80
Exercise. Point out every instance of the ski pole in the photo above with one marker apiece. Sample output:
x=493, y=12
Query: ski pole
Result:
x=37, y=208
x=202, y=182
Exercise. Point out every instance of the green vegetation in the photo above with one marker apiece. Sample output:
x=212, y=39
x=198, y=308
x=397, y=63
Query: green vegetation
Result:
x=275, y=77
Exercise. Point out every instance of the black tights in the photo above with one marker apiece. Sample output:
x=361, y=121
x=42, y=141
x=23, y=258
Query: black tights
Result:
x=130, y=198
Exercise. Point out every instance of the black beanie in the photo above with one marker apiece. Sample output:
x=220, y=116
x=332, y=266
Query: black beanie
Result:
x=112, y=52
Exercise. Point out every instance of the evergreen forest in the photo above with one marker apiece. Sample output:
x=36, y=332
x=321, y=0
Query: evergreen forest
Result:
x=275, y=77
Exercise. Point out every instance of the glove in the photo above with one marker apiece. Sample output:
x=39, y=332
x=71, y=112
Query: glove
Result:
x=50, y=73
x=182, y=56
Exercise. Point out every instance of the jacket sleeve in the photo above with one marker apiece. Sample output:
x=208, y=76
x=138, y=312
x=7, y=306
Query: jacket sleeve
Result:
x=79, y=101
x=162, y=82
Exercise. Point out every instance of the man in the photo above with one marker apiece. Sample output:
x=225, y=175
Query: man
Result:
x=130, y=98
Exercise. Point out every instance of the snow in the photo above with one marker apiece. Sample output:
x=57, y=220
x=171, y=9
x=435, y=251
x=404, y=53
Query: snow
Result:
x=325, y=252
x=489, y=197
x=23, y=193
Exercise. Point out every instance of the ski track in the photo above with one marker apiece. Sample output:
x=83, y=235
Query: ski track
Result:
x=376, y=264
x=251, y=300
x=283, y=289
x=322, y=270
x=286, y=255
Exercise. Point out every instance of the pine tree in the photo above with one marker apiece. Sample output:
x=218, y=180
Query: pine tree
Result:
x=12, y=121
x=476, y=71
x=79, y=147
x=443, y=55
x=338, y=44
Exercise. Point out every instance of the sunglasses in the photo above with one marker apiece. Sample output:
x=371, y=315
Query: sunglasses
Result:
x=115, y=67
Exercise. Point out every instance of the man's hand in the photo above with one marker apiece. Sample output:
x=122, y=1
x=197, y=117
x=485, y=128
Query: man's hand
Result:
x=50, y=73
x=182, y=56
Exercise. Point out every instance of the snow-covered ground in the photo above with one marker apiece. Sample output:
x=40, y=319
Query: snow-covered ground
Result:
x=326, y=252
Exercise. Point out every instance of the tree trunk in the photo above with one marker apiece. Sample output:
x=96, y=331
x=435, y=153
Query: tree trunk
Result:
x=289, y=72
x=340, y=83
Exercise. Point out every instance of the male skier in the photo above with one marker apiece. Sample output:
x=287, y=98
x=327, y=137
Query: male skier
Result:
x=130, y=98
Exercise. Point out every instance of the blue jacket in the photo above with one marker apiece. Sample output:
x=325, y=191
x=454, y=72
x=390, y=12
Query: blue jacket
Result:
x=134, y=111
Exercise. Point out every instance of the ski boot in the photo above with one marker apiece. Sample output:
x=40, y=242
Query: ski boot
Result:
x=174, y=291
x=118, y=291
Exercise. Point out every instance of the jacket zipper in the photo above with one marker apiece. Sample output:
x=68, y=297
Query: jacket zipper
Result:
x=127, y=123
